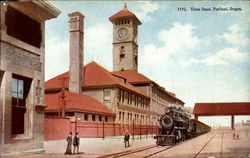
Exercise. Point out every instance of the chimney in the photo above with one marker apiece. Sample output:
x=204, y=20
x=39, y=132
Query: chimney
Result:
x=76, y=52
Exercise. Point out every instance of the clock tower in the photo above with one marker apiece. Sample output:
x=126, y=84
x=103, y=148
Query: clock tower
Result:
x=125, y=44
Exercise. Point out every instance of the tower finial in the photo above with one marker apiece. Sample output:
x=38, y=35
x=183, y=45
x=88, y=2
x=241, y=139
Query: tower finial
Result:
x=125, y=7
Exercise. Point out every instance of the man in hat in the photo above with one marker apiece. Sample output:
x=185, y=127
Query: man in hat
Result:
x=76, y=142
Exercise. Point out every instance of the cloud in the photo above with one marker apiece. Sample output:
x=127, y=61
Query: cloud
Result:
x=179, y=39
x=227, y=55
x=235, y=36
x=56, y=57
x=98, y=44
x=222, y=57
x=146, y=8
x=97, y=47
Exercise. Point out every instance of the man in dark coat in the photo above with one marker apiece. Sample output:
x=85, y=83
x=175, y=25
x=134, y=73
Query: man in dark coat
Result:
x=126, y=139
x=76, y=142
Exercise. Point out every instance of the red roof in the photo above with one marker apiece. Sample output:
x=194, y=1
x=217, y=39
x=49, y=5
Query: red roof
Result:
x=134, y=77
x=212, y=109
x=125, y=13
x=75, y=102
x=94, y=76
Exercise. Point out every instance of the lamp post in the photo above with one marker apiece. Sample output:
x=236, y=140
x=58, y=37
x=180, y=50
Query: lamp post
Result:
x=103, y=129
x=140, y=129
x=119, y=122
x=76, y=119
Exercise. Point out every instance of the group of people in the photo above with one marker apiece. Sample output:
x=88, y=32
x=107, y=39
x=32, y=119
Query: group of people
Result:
x=76, y=143
x=236, y=136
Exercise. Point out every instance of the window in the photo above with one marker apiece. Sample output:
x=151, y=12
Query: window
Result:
x=139, y=102
x=120, y=113
x=19, y=91
x=106, y=94
x=123, y=117
x=100, y=118
x=86, y=117
x=70, y=114
x=1, y=77
x=122, y=93
x=128, y=100
x=122, y=52
x=106, y=118
x=125, y=96
x=133, y=100
x=93, y=117
x=23, y=27
x=119, y=95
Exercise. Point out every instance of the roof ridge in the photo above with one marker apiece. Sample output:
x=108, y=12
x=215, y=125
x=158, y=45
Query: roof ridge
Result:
x=106, y=71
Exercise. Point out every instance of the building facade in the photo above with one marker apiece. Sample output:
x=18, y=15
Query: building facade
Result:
x=133, y=98
x=159, y=97
x=22, y=75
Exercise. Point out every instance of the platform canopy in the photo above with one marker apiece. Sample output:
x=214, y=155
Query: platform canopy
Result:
x=222, y=109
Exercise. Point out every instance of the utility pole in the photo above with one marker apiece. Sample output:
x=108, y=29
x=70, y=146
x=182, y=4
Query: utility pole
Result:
x=103, y=129
x=62, y=112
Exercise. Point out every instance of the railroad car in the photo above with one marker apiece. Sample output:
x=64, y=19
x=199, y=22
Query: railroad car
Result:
x=177, y=125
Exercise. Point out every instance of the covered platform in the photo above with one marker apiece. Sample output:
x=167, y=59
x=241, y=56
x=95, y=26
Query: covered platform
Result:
x=222, y=109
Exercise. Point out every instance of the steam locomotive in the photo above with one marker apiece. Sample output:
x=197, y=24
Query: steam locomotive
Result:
x=178, y=126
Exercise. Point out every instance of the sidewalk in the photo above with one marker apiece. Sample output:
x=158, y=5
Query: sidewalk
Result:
x=93, y=147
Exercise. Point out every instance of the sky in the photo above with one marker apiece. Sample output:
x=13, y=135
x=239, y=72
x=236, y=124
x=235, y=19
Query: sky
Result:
x=201, y=56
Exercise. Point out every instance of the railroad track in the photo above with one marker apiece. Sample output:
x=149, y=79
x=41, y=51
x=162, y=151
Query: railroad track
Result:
x=151, y=150
x=221, y=146
x=203, y=147
x=147, y=149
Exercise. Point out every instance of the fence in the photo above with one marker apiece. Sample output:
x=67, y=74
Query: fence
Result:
x=58, y=128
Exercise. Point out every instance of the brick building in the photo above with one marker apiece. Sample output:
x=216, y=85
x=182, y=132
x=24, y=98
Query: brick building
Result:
x=159, y=97
x=22, y=75
x=133, y=98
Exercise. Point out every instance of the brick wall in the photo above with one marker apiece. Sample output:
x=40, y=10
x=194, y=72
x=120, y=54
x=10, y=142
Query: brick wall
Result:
x=57, y=128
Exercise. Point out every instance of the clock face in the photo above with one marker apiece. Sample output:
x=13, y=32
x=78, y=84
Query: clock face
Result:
x=122, y=34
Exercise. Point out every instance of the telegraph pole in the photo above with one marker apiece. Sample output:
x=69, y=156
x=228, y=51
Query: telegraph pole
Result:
x=62, y=112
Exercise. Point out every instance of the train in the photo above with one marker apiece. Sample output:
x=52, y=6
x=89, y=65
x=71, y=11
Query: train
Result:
x=177, y=125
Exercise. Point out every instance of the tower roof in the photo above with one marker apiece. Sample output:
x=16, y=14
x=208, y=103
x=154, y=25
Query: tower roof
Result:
x=124, y=13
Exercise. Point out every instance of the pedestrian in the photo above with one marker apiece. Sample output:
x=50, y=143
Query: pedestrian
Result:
x=69, y=145
x=126, y=139
x=76, y=142
x=238, y=136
